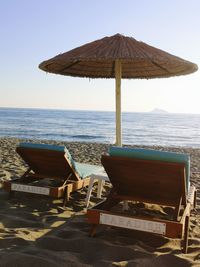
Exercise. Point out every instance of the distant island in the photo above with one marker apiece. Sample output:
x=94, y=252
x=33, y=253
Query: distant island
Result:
x=157, y=110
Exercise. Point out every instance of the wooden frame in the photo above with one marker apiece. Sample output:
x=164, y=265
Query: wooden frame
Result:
x=149, y=181
x=43, y=164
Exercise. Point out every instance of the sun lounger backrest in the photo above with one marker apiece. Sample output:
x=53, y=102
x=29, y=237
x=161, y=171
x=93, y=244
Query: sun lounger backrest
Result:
x=146, y=180
x=150, y=154
x=149, y=180
x=47, y=160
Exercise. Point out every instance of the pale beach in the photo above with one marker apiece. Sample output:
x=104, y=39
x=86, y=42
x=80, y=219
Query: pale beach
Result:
x=37, y=231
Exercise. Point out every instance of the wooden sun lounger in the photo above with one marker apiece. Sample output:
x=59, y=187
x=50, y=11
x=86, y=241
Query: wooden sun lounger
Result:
x=47, y=162
x=148, y=181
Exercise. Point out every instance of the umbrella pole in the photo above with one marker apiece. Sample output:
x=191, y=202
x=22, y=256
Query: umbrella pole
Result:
x=118, y=102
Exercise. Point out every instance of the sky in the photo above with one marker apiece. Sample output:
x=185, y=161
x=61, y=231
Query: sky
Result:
x=32, y=31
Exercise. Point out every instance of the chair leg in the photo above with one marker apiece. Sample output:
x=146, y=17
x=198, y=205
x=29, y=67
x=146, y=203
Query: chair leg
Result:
x=89, y=191
x=186, y=234
x=125, y=205
x=100, y=187
x=177, y=210
x=93, y=230
x=66, y=196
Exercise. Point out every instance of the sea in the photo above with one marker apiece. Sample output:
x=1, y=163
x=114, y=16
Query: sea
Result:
x=164, y=129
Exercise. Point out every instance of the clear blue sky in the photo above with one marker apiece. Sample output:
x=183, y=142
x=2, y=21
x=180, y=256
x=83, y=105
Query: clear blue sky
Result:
x=35, y=30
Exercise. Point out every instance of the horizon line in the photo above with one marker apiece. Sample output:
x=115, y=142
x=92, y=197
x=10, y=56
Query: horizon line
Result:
x=70, y=109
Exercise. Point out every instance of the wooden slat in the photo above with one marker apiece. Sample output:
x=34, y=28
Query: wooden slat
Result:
x=47, y=163
x=192, y=195
x=147, y=180
x=56, y=191
x=173, y=229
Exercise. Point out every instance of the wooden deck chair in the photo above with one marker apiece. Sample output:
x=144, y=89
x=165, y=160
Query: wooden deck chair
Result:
x=147, y=176
x=51, y=171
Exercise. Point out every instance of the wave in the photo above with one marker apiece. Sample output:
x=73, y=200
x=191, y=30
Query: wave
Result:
x=82, y=136
x=91, y=126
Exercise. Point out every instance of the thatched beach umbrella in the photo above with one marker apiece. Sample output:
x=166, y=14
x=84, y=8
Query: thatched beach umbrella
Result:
x=118, y=57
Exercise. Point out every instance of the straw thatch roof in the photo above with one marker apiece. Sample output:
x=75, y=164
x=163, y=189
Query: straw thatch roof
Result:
x=138, y=60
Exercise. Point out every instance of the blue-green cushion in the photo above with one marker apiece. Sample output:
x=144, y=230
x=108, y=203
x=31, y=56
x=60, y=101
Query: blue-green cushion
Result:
x=150, y=154
x=43, y=146
x=84, y=170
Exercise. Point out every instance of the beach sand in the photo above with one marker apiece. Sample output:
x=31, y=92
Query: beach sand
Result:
x=37, y=231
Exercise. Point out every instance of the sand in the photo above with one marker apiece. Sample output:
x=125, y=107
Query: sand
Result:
x=37, y=231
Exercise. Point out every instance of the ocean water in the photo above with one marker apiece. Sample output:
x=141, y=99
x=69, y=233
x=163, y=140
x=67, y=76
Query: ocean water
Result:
x=92, y=126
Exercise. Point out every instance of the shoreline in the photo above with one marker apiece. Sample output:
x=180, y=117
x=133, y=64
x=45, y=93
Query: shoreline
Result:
x=37, y=231
x=89, y=152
